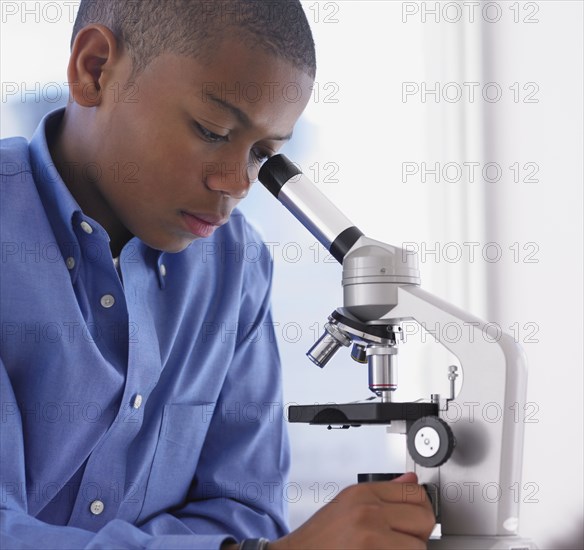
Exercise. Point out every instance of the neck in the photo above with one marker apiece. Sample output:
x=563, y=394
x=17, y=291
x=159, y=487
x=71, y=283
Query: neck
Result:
x=70, y=148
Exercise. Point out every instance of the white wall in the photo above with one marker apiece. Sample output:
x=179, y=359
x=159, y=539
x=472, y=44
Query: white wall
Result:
x=548, y=294
x=535, y=289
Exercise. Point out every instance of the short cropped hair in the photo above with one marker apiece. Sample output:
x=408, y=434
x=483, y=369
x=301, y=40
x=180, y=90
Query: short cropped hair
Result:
x=194, y=28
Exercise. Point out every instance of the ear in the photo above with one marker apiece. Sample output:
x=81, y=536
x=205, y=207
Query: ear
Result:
x=93, y=55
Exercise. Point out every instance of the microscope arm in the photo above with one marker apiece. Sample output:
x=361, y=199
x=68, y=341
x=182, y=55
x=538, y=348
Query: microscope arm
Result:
x=480, y=484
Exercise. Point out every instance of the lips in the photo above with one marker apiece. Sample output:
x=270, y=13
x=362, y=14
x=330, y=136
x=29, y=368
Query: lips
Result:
x=202, y=225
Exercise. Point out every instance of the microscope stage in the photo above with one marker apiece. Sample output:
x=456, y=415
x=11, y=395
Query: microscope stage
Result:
x=356, y=414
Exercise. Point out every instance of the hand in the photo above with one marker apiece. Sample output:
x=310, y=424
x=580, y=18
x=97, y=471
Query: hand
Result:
x=381, y=515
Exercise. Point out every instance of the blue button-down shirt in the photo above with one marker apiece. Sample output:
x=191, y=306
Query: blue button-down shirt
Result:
x=141, y=405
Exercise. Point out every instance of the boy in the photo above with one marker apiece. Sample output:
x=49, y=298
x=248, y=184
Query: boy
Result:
x=118, y=395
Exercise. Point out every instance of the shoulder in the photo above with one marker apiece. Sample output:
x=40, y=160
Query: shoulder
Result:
x=236, y=251
x=252, y=259
x=16, y=178
x=247, y=244
x=14, y=157
x=240, y=229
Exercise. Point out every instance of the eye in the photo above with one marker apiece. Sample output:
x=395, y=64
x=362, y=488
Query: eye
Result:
x=259, y=156
x=209, y=136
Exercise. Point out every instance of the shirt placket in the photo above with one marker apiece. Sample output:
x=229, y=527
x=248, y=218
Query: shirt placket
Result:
x=104, y=486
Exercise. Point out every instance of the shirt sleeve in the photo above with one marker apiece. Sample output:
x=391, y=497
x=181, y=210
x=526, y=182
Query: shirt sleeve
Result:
x=241, y=479
x=19, y=530
x=241, y=476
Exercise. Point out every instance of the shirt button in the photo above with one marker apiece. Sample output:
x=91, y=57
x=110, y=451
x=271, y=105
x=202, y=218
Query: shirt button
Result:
x=97, y=507
x=137, y=401
x=107, y=300
x=70, y=262
x=86, y=227
x=163, y=270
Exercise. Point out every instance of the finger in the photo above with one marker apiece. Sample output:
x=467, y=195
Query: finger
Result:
x=390, y=491
x=408, y=477
x=409, y=519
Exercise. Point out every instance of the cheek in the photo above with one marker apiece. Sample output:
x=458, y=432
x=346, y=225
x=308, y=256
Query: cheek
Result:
x=253, y=171
x=187, y=160
x=157, y=160
x=182, y=168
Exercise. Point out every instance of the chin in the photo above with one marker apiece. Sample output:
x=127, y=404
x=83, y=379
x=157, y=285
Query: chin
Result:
x=171, y=246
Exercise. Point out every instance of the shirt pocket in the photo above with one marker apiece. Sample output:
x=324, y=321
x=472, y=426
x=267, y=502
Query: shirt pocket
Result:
x=182, y=434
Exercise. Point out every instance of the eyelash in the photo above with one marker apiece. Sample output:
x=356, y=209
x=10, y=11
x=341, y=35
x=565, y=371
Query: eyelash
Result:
x=212, y=137
x=260, y=156
x=209, y=136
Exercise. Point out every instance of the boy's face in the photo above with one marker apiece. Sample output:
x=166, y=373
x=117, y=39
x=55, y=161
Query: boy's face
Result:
x=180, y=146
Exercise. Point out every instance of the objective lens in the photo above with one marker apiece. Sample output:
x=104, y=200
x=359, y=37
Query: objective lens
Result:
x=382, y=370
x=327, y=345
x=321, y=353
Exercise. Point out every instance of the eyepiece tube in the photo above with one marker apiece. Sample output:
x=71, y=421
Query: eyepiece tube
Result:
x=309, y=205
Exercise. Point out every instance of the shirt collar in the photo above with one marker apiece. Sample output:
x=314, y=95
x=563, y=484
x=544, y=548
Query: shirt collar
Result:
x=57, y=200
x=63, y=211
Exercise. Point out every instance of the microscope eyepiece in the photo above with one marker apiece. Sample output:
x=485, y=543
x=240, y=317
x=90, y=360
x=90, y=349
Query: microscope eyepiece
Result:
x=276, y=172
x=309, y=205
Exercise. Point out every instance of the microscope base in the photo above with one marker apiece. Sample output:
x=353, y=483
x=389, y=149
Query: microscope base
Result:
x=462, y=542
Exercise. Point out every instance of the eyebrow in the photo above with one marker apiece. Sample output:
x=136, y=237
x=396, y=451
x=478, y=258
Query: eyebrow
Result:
x=241, y=116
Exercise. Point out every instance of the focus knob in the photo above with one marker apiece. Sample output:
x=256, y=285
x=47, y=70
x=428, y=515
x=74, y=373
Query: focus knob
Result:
x=430, y=441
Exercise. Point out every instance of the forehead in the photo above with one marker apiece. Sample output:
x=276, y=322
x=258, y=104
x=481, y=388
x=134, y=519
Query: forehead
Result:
x=267, y=89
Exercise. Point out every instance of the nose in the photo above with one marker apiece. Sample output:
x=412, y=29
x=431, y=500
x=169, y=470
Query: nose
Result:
x=230, y=176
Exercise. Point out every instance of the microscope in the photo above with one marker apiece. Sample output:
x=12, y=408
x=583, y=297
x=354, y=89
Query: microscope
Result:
x=468, y=459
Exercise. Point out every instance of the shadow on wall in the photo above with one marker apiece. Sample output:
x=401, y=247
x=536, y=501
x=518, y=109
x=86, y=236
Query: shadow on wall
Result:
x=571, y=541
